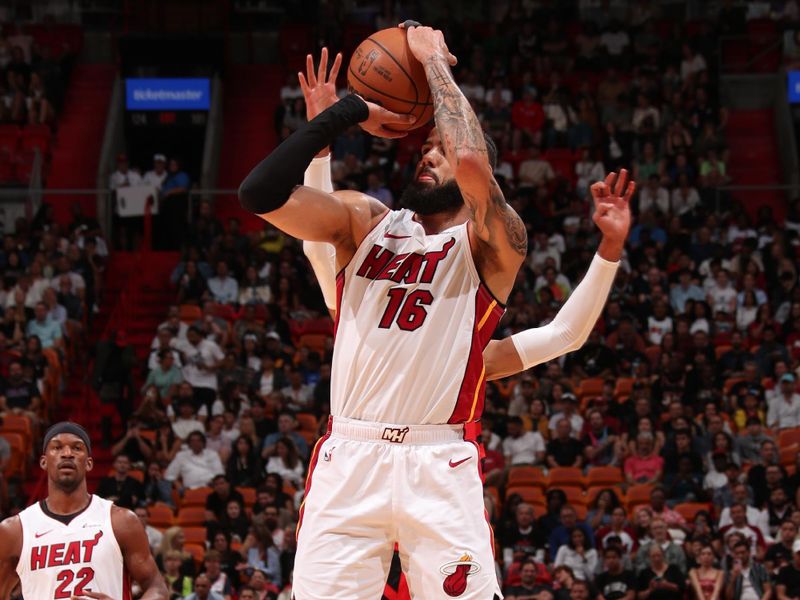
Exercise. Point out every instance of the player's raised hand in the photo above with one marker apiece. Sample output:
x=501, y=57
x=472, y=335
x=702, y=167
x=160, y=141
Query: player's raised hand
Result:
x=426, y=43
x=319, y=89
x=612, y=211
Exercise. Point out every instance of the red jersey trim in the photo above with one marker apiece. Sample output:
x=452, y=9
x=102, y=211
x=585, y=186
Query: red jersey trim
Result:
x=469, y=404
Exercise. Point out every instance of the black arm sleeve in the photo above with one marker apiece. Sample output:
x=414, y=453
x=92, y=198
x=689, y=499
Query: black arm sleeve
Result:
x=270, y=183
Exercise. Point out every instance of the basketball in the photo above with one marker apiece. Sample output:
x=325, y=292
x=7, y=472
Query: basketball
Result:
x=384, y=71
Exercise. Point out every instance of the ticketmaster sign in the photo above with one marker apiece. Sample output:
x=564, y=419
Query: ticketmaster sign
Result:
x=167, y=94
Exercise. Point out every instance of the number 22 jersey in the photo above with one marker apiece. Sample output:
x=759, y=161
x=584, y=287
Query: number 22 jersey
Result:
x=413, y=318
x=59, y=560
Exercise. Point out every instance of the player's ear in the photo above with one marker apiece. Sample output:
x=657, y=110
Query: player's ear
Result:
x=43, y=462
x=89, y=464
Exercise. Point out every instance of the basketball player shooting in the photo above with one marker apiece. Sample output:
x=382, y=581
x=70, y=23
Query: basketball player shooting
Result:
x=573, y=323
x=419, y=293
x=74, y=545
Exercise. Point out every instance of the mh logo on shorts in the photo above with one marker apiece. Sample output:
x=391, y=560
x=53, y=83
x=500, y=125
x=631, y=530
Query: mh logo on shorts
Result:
x=457, y=571
x=394, y=434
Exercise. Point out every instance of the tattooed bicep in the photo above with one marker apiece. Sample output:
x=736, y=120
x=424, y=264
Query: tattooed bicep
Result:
x=512, y=224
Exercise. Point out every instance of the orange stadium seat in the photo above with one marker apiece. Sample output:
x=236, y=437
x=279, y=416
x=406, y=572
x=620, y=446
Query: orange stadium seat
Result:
x=18, y=463
x=195, y=535
x=789, y=437
x=308, y=422
x=624, y=387
x=788, y=455
x=18, y=424
x=581, y=511
x=528, y=493
x=688, y=510
x=316, y=342
x=196, y=497
x=191, y=516
x=523, y=475
x=160, y=515
x=565, y=477
x=592, y=386
x=604, y=476
x=248, y=495
x=197, y=551
x=638, y=494
x=189, y=313
x=575, y=496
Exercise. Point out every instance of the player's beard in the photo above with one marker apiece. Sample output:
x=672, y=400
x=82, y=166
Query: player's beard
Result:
x=431, y=199
x=67, y=485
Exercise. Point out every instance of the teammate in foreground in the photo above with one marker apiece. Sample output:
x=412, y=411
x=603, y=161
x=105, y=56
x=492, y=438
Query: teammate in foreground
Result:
x=420, y=292
x=571, y=327
x=75, y=545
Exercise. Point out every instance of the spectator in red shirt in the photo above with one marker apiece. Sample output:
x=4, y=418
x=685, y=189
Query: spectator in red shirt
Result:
x=527, y=114
x=644, y=466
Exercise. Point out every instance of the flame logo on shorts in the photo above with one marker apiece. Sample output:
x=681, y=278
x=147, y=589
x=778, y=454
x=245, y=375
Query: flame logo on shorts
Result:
x=455, y=582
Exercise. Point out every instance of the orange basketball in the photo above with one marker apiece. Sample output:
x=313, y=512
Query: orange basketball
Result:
x=384, y=71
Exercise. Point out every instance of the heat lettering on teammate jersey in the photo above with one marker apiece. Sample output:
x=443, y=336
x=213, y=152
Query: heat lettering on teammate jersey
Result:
x=61, y=554
x=381, y=263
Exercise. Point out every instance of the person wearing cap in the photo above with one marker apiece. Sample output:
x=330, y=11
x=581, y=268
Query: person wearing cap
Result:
x=784, y=408
x=107, y=543
x=158, y=173
x=569, y=406
x=124, y=176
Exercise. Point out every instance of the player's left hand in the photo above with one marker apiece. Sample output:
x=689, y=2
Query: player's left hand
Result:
x=319, y=89
x=612, y=211
x=96, y=595
x=426, y=43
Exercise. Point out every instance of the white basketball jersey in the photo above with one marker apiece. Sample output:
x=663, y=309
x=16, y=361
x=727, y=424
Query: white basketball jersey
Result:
x=413, y=319
x=60, y=560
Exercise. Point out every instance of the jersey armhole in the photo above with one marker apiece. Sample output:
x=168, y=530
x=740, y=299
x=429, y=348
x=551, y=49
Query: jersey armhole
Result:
x=474, y=268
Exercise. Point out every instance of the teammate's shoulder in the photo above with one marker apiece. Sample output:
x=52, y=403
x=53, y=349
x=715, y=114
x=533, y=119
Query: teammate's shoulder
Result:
x=9, y=527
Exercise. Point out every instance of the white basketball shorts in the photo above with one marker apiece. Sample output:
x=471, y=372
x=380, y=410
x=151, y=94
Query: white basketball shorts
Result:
x=370, y=485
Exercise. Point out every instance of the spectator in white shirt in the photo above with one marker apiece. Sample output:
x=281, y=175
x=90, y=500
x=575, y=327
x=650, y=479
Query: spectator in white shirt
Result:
x=615, y=40
x=755, y=517
x=522, y=447
x=569, y=412
x=646, y=117
x=201, y=357
x=659, y=323
x=299, y=396
x=784, y=408
x=535, y=171
x=542, y=250
x=722, y=295
x=196, y=466
x=224, y=288
x=186, y=420
x=685, y=196
x=124, y=176
x=692, y=62
x=286, y=462
x=158, y=173
x=654, y=196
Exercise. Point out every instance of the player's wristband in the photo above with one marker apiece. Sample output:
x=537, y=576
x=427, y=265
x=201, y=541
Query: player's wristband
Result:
x=270, y=183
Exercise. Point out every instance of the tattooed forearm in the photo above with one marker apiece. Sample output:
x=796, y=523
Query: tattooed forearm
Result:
x=513, y=226
x=456, y=122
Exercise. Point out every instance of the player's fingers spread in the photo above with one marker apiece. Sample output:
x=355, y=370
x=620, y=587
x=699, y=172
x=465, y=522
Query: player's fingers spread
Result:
x=303, y=83
x=323, y=65
x=337, y=62
x=452, y=59
x=621, y=181
x=630, y=191
x=312, y=79
x=610, y=180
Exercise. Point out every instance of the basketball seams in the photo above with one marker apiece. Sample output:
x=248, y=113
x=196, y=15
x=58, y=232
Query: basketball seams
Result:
x=383, y=93
x=400, y=66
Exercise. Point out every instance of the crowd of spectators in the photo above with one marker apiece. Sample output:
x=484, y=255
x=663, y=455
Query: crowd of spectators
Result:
x=51, y=279
x=685, y=395
x=32, y=78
